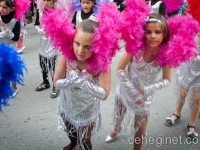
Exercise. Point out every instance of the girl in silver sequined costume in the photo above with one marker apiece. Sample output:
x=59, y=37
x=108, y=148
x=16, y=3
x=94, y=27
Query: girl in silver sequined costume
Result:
x=137, y=77
x=47, y=55
x=81, y=92
x=10, y=28
x=188, y=82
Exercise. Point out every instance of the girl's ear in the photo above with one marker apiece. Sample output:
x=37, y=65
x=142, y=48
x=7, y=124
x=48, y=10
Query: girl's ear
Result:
x=12, y=9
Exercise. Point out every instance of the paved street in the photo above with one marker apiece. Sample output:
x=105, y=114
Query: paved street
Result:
x=30, y=122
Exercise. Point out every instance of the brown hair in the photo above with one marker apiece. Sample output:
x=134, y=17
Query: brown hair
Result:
x=87, y=25
x=164, y=26
x=9, y=3
x=91, y=1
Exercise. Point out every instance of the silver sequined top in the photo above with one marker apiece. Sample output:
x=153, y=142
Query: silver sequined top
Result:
x=189, y=73
x=9, y=26
x=140, y=74
x=77, y=107
x=45, y=48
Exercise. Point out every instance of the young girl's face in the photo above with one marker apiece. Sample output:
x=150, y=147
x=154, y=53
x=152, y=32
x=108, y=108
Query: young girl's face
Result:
x=153, y=35
x=4, y=9
x=86, y=5
x=48, y=3
x=82, y=45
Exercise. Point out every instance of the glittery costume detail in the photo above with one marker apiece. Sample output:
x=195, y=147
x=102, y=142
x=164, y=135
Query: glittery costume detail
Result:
x=45, y=49
x=7, y=37
x=188, y=76
x=126, y=108
x=79, y=104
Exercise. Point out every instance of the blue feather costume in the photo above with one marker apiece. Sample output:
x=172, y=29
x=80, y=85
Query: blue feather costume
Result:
x=11, y=70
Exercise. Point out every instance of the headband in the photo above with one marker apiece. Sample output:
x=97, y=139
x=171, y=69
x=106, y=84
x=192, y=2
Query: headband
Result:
x=148, y=19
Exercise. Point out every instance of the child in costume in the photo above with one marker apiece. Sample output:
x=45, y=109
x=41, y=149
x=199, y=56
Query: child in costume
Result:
x=139, y=67
x=138, y=78
x=83, y=72
x=87, y=12
x=47, y=53
x=11, y=14
x=188, y=83
x=85, y=9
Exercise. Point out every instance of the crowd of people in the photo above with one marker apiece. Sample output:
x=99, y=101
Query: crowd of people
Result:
x=78, y=60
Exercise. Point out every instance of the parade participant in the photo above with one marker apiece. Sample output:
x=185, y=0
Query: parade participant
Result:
x=83, y=72
x=86, y=12
x=11, y=14
x=47, y=53
x=140, y=65
x=188, y=82
x=134, y=74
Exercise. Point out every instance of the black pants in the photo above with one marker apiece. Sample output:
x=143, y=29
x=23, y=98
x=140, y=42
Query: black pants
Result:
x=47, y=66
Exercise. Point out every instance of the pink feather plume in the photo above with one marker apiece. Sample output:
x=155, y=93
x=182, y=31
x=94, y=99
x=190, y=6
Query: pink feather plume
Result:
x=58, y=28
x=105, y=38
x=21, y=7
x=181, y=45
x=133, y=20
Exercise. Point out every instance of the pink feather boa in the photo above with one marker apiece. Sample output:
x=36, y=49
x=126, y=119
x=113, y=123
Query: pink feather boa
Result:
x=105, y=38
x=172, y=5
x=181, y=45
x=133, y=20
x=58, y=27
x=21, y=7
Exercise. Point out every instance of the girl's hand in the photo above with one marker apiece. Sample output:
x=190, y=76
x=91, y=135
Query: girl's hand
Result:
x=69, y=69
x=198, y=34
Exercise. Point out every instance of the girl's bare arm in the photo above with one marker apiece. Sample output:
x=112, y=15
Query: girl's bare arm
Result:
x=104, y=80
x=123, y=61
x=167, y=73
x=60, y=71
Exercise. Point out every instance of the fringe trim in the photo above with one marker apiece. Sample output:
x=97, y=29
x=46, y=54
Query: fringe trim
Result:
x=80, y=132
x=127, y=121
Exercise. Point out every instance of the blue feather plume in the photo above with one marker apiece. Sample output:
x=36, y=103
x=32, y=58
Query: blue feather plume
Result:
x=11, y=70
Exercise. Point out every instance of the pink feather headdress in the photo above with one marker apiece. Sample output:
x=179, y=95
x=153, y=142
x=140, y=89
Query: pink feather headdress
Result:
x=21, y=7
x=181, y=45
x=179, y=48
x=59, y=28
x=172, y=5
x=61, y=31
x=133, y=20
